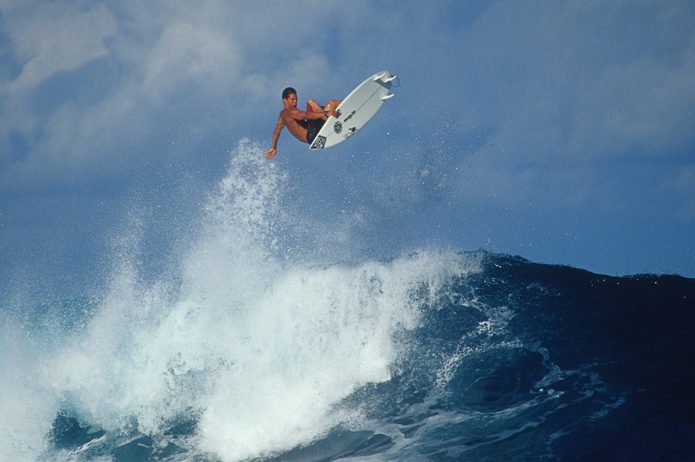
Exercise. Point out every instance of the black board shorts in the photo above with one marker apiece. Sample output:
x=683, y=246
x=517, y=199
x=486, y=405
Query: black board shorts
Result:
x=312, y=129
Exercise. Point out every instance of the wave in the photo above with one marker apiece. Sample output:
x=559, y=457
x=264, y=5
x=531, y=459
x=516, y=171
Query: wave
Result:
x=252, y=349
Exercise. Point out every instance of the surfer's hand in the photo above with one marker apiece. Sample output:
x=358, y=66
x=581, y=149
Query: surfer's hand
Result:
x=270, y=153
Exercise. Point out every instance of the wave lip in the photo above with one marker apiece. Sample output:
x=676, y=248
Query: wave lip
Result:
x=317, y=336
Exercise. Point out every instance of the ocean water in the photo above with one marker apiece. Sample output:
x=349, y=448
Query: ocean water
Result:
x=250, y=348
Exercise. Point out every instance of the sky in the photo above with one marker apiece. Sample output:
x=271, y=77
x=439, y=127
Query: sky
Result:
x=563, y=132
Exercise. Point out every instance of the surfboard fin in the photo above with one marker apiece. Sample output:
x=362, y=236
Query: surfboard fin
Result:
x=384, y=76
x=385, y=97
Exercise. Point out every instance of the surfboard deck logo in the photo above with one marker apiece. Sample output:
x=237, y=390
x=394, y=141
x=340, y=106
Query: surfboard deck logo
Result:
x=319, y=142
x=355, y=110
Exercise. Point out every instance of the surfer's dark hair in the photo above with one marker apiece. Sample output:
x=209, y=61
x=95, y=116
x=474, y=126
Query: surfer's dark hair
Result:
x=287, y=92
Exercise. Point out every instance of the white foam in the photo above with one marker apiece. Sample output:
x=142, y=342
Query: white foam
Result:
x=27, y=409
x=313, y=338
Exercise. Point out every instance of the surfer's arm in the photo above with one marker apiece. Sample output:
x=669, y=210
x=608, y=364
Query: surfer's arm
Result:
x=276, y=134
x=301, y=115
x=316, y=115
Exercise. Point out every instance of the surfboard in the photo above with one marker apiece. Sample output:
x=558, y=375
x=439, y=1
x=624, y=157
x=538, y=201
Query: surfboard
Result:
x=355, y=110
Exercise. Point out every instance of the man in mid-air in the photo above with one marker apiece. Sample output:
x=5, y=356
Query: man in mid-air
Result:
x=304, y=125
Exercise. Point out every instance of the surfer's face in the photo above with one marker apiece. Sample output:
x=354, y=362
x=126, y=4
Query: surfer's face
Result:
x=291, y=100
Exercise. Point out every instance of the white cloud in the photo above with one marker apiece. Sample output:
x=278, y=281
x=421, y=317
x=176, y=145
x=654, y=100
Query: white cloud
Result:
x=186, y=53
x=55, y=36
x=46, y=38
x=641, y=106
x=562, y=88
x=579, y=80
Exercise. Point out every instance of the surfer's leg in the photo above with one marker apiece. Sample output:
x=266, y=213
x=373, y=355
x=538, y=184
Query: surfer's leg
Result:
x=315, y=107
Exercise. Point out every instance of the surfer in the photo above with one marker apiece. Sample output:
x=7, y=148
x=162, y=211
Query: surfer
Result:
x=304, y=125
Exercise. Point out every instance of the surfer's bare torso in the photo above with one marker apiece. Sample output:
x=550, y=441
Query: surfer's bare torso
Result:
x=296, y=120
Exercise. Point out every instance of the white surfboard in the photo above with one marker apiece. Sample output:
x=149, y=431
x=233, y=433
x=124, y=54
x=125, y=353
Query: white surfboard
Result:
x=355, y=110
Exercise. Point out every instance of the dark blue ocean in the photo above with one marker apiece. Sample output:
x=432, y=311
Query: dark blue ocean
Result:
x=251, y=348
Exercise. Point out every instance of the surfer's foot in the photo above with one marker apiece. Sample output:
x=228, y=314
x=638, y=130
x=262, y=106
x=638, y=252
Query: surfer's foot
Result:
x=332, y=106
x=329, y=109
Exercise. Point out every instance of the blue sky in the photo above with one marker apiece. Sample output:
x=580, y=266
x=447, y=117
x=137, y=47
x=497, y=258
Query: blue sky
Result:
x=559, y=131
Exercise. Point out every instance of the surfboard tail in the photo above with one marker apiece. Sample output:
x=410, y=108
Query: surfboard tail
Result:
x=384, y=76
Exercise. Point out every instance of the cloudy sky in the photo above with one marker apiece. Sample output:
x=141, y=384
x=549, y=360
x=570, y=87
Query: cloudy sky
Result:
x=563, y=132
